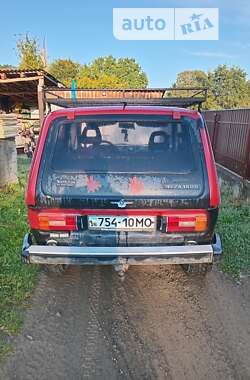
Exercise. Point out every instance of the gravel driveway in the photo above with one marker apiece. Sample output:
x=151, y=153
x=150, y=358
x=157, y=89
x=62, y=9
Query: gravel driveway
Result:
x=158, y=323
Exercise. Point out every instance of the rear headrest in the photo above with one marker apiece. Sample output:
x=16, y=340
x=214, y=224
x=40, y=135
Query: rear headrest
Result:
x=154, y=144
x=91, y=135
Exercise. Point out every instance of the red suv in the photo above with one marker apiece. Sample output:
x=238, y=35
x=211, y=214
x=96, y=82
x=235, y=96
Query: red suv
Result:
x=123, y=184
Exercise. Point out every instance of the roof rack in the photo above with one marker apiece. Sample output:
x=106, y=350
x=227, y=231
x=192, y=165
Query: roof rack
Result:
x=178, y=97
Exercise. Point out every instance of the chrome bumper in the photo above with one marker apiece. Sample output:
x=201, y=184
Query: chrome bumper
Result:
x=181, y=254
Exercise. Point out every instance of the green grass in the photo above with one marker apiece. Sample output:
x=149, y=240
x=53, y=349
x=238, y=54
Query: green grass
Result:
x=234, y=228
x=16, y=279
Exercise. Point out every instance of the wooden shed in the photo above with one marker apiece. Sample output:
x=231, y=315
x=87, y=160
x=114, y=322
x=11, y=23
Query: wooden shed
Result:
x=24, y=87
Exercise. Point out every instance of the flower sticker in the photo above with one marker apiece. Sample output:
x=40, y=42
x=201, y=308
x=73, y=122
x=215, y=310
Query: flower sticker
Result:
x=135, y=185
x=92, y=184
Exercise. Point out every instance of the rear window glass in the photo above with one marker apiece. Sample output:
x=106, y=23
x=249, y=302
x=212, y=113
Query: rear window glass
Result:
x=121, y=149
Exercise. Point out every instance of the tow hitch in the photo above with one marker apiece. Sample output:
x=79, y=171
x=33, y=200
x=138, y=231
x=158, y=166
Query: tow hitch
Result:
x=122, y=267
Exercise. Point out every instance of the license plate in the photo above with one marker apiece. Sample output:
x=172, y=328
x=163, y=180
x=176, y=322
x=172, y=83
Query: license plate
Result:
x=122, y=223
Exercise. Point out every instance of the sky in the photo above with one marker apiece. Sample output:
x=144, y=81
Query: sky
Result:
x=82, y=30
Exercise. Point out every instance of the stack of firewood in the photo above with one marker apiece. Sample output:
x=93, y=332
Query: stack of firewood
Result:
x=8, y=126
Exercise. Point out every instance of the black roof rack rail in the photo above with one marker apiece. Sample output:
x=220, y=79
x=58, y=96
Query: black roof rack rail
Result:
x=173, y=102
x=175, y=97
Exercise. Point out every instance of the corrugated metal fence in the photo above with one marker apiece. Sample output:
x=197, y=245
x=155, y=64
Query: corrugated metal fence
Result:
x=229, y=132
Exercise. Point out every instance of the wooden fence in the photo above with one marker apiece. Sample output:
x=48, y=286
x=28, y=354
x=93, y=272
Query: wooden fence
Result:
x=229, y=132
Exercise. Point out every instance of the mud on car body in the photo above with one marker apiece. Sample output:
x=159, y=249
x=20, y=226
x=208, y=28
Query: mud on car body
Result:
x=123, y=185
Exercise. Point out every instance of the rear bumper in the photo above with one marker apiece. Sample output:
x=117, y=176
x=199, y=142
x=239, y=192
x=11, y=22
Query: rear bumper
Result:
x=178, y=254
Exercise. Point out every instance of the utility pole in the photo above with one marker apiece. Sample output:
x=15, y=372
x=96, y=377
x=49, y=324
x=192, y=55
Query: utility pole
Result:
x=45, y=53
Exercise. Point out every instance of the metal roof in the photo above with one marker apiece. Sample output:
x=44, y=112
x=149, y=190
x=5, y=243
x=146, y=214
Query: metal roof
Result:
x=21, y=86
x=15, y=73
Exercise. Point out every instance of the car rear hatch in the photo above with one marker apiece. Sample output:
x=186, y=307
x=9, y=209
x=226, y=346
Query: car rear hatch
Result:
x=127, y=179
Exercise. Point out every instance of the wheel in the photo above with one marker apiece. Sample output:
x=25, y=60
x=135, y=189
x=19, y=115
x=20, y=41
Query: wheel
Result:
x=58, y=270
x=197, y=268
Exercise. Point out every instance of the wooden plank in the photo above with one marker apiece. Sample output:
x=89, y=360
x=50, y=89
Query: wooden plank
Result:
x=17, y=93
x=14, y=80
x=40, y=98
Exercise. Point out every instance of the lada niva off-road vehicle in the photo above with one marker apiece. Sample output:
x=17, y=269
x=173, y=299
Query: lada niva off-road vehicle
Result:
x=123, y=181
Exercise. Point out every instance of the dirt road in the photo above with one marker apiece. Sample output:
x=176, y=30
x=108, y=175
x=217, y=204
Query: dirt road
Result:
x=157, y=324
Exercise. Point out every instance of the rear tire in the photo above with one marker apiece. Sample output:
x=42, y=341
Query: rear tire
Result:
x=57, y=270
x=201, y=269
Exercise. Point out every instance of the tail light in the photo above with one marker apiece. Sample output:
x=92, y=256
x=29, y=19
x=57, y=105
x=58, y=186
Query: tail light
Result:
x=66, y=220
x=52, y=221
x=187, y=222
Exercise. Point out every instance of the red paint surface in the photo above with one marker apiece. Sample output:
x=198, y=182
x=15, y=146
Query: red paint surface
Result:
x=211, y=169
x=136, y=186
x=92, y=184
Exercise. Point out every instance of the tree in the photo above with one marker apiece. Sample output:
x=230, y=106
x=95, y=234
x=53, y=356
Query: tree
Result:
x=6, y=67
x=29, y=53
x=229, y=87
x=65, y=70
x=195, y=79
x=248, y=92
x=102, y=81
x=192, y=78
x=109, y=72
